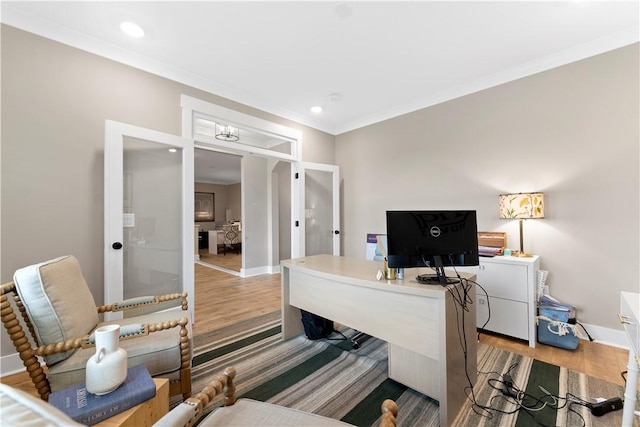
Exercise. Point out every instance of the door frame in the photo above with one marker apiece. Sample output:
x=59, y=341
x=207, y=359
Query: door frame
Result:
x=115, y=132
x=193, y=108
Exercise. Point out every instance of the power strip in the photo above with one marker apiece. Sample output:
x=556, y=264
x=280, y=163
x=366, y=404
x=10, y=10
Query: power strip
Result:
x=609, y=405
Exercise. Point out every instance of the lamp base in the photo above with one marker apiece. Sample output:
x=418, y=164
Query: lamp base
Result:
x=521, y=254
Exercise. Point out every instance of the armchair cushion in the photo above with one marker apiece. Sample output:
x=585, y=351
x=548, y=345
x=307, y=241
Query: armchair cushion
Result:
x=248, y=412
x=159, y=352
x=58, y=302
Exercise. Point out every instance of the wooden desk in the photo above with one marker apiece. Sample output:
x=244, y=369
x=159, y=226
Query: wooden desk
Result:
x=144, y=414
x=418, y=321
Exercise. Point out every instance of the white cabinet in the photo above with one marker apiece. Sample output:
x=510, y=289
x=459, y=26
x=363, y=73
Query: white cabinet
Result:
x=510, y=283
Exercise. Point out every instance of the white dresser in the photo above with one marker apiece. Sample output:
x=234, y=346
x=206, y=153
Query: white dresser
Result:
x=510, y=283
x=629, y=317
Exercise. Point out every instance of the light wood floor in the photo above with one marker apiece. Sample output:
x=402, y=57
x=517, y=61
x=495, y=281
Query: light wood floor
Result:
x=223, y=299
x=230, y=260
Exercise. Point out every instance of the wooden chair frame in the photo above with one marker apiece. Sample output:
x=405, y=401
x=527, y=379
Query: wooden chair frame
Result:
x=223, y=384
x=29, y=354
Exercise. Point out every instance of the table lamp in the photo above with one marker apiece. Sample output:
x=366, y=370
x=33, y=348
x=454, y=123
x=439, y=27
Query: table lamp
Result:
x=521, y=206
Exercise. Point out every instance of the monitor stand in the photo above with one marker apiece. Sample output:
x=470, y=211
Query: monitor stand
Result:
x=440, y=278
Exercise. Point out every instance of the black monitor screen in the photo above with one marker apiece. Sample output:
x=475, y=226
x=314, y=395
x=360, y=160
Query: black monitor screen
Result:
x=432, y=239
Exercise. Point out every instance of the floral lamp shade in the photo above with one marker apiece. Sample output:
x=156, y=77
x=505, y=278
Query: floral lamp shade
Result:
x=521, y=206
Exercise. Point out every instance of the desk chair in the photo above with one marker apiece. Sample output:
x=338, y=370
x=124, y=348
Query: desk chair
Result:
x=231, y=238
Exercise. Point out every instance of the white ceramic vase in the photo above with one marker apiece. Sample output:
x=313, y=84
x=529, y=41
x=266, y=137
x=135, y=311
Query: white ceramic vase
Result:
x=107, y=368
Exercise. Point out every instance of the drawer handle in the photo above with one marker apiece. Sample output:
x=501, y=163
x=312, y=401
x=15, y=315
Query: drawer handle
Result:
x=624, y=319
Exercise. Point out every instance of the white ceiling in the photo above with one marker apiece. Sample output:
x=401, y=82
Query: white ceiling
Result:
x=382, y=58
x=216, y=168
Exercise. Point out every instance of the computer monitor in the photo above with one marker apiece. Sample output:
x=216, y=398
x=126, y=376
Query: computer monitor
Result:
x=435, y=239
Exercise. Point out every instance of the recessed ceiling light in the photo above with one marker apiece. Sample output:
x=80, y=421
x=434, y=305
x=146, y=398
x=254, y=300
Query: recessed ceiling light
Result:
x=172, y=150
x=316, y=109
x=132, y=29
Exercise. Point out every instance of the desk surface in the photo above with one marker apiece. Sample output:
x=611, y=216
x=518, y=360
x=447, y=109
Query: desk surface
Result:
x=363, y=272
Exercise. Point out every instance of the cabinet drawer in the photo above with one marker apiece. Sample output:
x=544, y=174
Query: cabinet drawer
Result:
x=507, y=317
x=504, y=280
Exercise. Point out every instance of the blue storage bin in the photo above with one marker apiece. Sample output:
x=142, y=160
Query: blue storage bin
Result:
x=550, y=333
x=554, y=313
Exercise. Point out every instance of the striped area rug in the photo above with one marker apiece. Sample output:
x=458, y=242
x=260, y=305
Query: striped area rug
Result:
x=537, y=379
x=329, y=378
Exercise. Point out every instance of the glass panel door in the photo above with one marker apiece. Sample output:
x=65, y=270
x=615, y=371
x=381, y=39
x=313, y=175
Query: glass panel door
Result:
x=319, y=209
x=318, y=212
x=149, y=211
x=152, y=220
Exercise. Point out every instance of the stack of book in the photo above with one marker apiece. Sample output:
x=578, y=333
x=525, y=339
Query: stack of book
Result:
x=489, y=251
x=89, y=409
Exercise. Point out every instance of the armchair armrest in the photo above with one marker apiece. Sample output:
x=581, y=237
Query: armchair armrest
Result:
x=126, y=332
x=189, y=412
x=138, y=302
x=389, y=410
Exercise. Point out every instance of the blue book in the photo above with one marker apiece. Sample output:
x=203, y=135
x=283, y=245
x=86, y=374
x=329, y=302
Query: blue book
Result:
x=89, y=409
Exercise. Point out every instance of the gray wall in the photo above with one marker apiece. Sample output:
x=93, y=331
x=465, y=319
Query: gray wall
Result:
x=255, y=226
x=224, y=196
x=235, y=195
x=571, y=132
x=55, y=100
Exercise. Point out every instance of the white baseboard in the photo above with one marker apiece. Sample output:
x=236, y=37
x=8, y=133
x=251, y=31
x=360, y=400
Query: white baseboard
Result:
x=12, y=364
x=269, y=269
x=612, y=337
x=248, y=272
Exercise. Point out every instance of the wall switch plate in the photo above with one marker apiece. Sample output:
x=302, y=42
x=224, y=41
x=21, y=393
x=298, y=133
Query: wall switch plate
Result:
x=128, y=220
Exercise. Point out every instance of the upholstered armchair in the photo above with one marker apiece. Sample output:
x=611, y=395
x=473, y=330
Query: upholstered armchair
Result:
x=58, y=316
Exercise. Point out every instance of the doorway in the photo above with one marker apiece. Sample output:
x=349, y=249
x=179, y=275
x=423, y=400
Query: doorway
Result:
x=218, y=178
x=272, y=204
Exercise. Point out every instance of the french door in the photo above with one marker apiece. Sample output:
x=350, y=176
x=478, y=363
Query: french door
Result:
x=149, y=199
x=317, y=207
